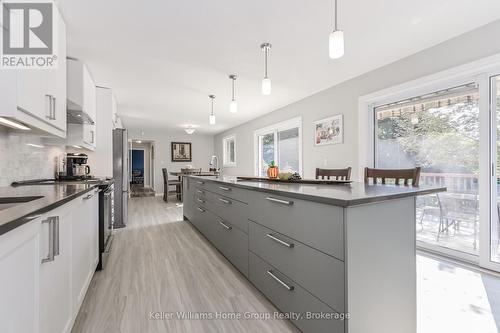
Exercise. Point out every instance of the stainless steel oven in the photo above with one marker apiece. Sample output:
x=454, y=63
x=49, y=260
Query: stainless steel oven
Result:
x=106, y=221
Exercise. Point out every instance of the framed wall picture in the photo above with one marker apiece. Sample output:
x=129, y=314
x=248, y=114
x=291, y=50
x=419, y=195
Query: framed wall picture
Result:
x=329, y=130
x=181, y=151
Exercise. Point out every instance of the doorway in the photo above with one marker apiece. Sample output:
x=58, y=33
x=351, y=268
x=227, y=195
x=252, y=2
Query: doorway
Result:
x=142, y=181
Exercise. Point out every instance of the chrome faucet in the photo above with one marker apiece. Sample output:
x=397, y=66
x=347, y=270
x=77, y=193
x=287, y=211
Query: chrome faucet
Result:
x=214, y=162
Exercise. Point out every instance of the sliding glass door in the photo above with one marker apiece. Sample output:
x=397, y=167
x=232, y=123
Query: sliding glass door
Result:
x=494, y=225
x=439, y=132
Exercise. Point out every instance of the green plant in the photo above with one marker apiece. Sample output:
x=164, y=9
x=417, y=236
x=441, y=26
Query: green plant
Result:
x=272, y=164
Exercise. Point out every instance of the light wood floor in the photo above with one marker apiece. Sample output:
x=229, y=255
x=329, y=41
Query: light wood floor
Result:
x=160, y=263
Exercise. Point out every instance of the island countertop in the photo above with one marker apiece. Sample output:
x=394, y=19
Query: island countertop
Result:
x=344, y=195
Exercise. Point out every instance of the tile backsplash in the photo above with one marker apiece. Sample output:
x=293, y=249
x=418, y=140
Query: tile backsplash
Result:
x=25, y=156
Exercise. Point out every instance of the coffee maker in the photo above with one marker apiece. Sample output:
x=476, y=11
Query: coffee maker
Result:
x=76, y=167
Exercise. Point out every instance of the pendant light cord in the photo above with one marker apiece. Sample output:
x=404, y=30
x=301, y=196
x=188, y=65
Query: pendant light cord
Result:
x=266, y=61
x=336, y=15
x=233, y=88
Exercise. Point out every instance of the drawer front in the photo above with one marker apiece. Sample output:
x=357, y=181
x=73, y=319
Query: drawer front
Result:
x=232, y=242
x=275, y=284
x=199, y=183
x=231, y=210
x=228, y=191
x=317, y=225
x=320, y=274
x=202, y=221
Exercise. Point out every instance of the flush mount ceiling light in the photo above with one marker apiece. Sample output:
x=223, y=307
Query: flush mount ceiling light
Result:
x=190, y=129
x=211, y=119
x=233, y=106
x=13, y=124
x=266, y=82
x=336, y=40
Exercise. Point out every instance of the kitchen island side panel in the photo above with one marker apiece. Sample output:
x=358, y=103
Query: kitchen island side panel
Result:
x=381, y=267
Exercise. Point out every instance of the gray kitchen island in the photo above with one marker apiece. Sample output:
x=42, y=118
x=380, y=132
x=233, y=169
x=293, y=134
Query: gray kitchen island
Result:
x=333, y=258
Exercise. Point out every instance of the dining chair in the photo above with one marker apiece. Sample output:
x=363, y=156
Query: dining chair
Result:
x=397, y=175
x=336, y=174
x=169, y=182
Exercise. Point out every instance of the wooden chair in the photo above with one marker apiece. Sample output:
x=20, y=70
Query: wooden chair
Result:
x=337, y=174
x=167, y=183
x=397, y=174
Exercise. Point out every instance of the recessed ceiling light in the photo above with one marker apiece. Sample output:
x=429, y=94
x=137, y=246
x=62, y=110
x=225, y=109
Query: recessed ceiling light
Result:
x=13, y=124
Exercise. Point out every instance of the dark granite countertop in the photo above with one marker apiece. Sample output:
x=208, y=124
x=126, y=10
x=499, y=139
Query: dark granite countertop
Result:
x=52, y=195
x=345, y=195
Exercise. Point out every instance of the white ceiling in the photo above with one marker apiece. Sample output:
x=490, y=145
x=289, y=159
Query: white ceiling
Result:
x=164, y=57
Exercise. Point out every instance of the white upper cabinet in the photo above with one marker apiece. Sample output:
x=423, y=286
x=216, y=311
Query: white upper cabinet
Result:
x=82, y=114
x=37, y=97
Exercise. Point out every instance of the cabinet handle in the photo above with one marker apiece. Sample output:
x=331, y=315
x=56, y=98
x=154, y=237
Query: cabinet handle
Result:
x=92, y=137
x=225, y=201
x=199, y=200
x=87, y=197
x=225, y=188
x=228, y=227
x=53, y=108
x=200, y=182
x=53, y=238
x=290, y=245
x=289, y=288
x=289, y=203
x=50, y=112
x=200, y=191
x=201, y=209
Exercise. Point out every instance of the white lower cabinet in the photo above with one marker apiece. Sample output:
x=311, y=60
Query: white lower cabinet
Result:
x=19, y=276
x=84, y=255
x=55, y=271
x=46, y=266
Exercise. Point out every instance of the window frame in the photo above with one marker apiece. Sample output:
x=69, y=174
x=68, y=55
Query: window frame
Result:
x=295, y=122
x=225, y=162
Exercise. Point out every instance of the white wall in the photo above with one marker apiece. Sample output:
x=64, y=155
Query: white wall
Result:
x=202, y=150
x=343, y=98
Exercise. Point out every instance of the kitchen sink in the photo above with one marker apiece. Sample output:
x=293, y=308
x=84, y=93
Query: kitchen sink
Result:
x=8, y=202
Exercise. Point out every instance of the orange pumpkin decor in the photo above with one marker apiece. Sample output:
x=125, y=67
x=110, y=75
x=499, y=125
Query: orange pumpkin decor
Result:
x=273, y=171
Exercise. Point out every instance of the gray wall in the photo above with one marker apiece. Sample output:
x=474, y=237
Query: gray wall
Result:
x=202, y=150
x=343, y=98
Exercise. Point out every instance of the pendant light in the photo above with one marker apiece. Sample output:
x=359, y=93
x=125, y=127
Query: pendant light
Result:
x=233, y=106
x=336, y=40
x=266, y=82
x=211, y=119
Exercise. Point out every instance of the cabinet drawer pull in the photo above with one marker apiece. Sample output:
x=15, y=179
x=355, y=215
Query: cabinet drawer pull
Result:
x=53, y=108
x=201, y=209
x=225, y=188
x=228, y=227
x=289, y=288
x=53, y=223
x=289, y=203
x=290, y=245
x=200, y=182
x=225, y=201
x=200, y=191
x=199, y=200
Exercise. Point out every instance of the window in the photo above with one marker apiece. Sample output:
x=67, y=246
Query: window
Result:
x=281, y=143
x=229, y=154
